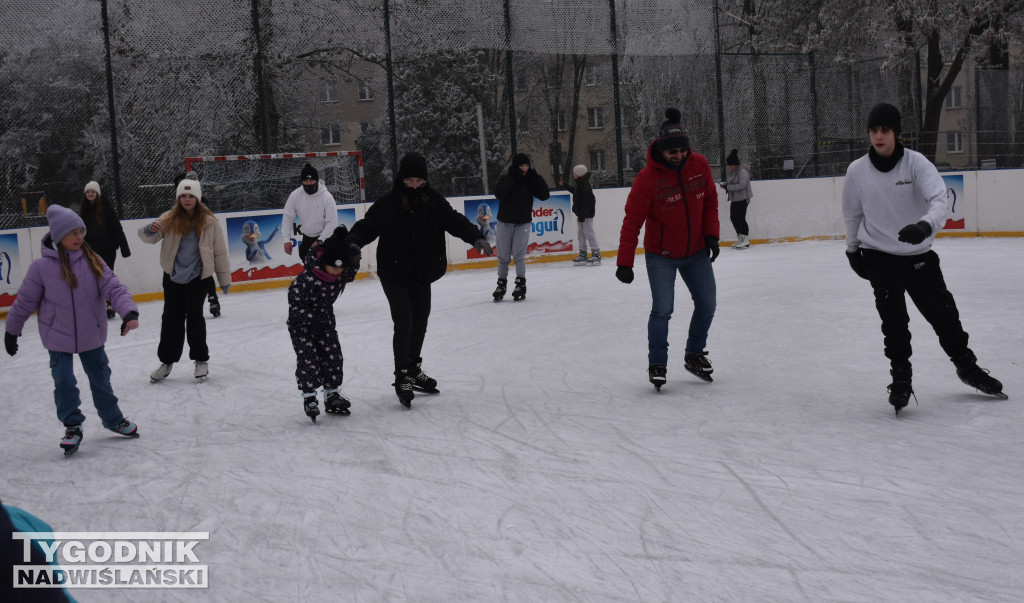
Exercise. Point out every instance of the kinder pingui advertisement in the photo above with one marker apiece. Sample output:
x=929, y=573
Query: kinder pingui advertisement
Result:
x=256, y=245
x=548, y=233
x=956, y=201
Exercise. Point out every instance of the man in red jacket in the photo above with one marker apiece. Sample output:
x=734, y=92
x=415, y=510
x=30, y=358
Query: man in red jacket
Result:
x=675, y=196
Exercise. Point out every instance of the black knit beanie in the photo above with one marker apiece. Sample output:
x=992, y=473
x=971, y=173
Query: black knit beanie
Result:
x=885, y=115
x=520, y=159
x=308, y=171
x=412, y=165
x=733, y=158
x=336, y=249
x=672, y=134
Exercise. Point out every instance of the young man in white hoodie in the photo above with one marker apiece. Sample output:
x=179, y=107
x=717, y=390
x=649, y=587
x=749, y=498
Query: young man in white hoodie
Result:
x=317, y=211
x=894, y=201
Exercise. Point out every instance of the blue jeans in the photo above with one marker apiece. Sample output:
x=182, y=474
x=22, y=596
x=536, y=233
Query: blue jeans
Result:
x=700, y=280
x=65, y=387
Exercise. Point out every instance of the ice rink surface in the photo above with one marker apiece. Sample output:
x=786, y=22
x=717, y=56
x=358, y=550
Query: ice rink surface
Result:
x=548, y=469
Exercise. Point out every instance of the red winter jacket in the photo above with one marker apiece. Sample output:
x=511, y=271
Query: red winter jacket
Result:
x=680, y=209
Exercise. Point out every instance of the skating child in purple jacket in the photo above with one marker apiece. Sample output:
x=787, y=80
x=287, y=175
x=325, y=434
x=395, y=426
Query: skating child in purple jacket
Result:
x=69, y=286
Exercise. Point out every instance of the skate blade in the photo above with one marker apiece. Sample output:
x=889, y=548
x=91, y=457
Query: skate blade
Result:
x=657, y=386
x=69, y=451
x=341, y=411
x=424, y=390
x=405, y=403
x=701, y=376
x=312, y=418
x=201, y=379
x=1001, y=396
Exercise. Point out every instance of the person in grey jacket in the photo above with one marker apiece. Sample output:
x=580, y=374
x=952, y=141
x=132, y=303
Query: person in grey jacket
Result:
x=737, y=184
x=894, y=201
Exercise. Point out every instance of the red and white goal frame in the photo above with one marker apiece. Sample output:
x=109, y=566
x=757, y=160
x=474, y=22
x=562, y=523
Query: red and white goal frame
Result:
x=190, y=161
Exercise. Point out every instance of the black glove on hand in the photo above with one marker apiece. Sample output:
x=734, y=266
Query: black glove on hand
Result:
x=127, y=319
x=711, y=246
x=857, y=263
x=624, y=274
x=915, y=233
x=482, y=246
x=11, y=343
x=355, y=254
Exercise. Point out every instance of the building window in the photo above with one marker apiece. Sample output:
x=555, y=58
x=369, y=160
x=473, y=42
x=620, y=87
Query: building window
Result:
x=591, y=75
x=595, y=118
x=559, y=122
x=552, y=77
x=365, y=92
x=330, y=134
x=955, y=98
x=329, y=92
x=954, y=142
x=634, y=160
x=597, y=160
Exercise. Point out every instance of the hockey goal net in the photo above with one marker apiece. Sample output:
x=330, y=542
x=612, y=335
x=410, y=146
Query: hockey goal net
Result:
x=247, y=182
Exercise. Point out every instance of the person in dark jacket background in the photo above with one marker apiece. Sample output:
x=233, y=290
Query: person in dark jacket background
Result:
x=584, y=205
x=103, y=231
x=515, y=191
x=411, y=221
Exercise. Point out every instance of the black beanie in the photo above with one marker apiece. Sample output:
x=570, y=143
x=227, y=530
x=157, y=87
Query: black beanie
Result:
x=520, y=159
x=885, y=115
x=733, y=158
x=309, y=171
x=672, y=134
x=335, y=251
x=412, y=165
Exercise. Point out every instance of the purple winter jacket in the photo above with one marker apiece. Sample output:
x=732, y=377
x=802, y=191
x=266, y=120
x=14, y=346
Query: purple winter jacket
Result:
x=70, y=320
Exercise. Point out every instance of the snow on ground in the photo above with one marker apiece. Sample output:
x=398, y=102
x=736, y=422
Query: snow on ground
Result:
x=549, y=469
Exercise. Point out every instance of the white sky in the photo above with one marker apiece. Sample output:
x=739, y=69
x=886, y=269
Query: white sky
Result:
x=548, y=468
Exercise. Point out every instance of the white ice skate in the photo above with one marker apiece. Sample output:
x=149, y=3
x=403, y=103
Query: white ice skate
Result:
x=202, y=370
x=161, y=372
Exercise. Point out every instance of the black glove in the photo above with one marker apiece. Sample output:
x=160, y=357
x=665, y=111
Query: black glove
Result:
x=482, y=246
x=11, y=343
x=915, y=233
x=624, y=274
x=127, y=319
x=857, y=263
x=711, y=246
x=355, y=254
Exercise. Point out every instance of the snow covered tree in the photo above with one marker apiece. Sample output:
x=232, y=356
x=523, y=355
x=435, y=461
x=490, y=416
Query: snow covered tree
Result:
x=946, y=32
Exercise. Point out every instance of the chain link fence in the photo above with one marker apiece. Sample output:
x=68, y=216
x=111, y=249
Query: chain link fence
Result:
x=121, y=91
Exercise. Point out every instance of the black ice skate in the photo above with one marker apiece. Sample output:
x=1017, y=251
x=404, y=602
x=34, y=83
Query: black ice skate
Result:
x=403, y=388
x=657, y=374
x=499, y=291
x=899, y=394
x=979, y=378
x=214, y=306
x=519, y=293
x=310, y=406
x=420, y=381
x=72, y=439
x=336, y=404
x=699, y=365
x=110, y=311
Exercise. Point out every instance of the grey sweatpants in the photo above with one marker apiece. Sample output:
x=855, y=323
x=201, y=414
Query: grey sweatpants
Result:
x=585, y=236
x=513, y=240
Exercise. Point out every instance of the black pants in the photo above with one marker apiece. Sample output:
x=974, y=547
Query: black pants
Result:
x=410, y=309
x=738, y=217
x=920, y=277
x=183, y=318
x=305, y=246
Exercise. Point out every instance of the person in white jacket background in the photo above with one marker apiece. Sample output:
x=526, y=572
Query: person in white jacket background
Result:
x=316, y=209
x=894, y=201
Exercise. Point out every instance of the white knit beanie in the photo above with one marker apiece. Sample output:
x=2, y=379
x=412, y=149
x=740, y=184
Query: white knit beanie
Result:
x=579, y=171
x=189, y=187
x=93, y=186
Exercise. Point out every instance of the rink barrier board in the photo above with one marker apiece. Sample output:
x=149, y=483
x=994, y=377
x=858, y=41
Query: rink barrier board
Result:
x=781, y=211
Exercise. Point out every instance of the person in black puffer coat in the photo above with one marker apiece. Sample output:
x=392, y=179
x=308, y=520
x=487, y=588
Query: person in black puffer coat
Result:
x=411, y=221
x=103, y=231
x=515, y=191
x=584, y=205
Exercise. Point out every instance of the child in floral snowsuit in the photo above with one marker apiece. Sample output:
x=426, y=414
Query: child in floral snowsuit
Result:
x=312, y=326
